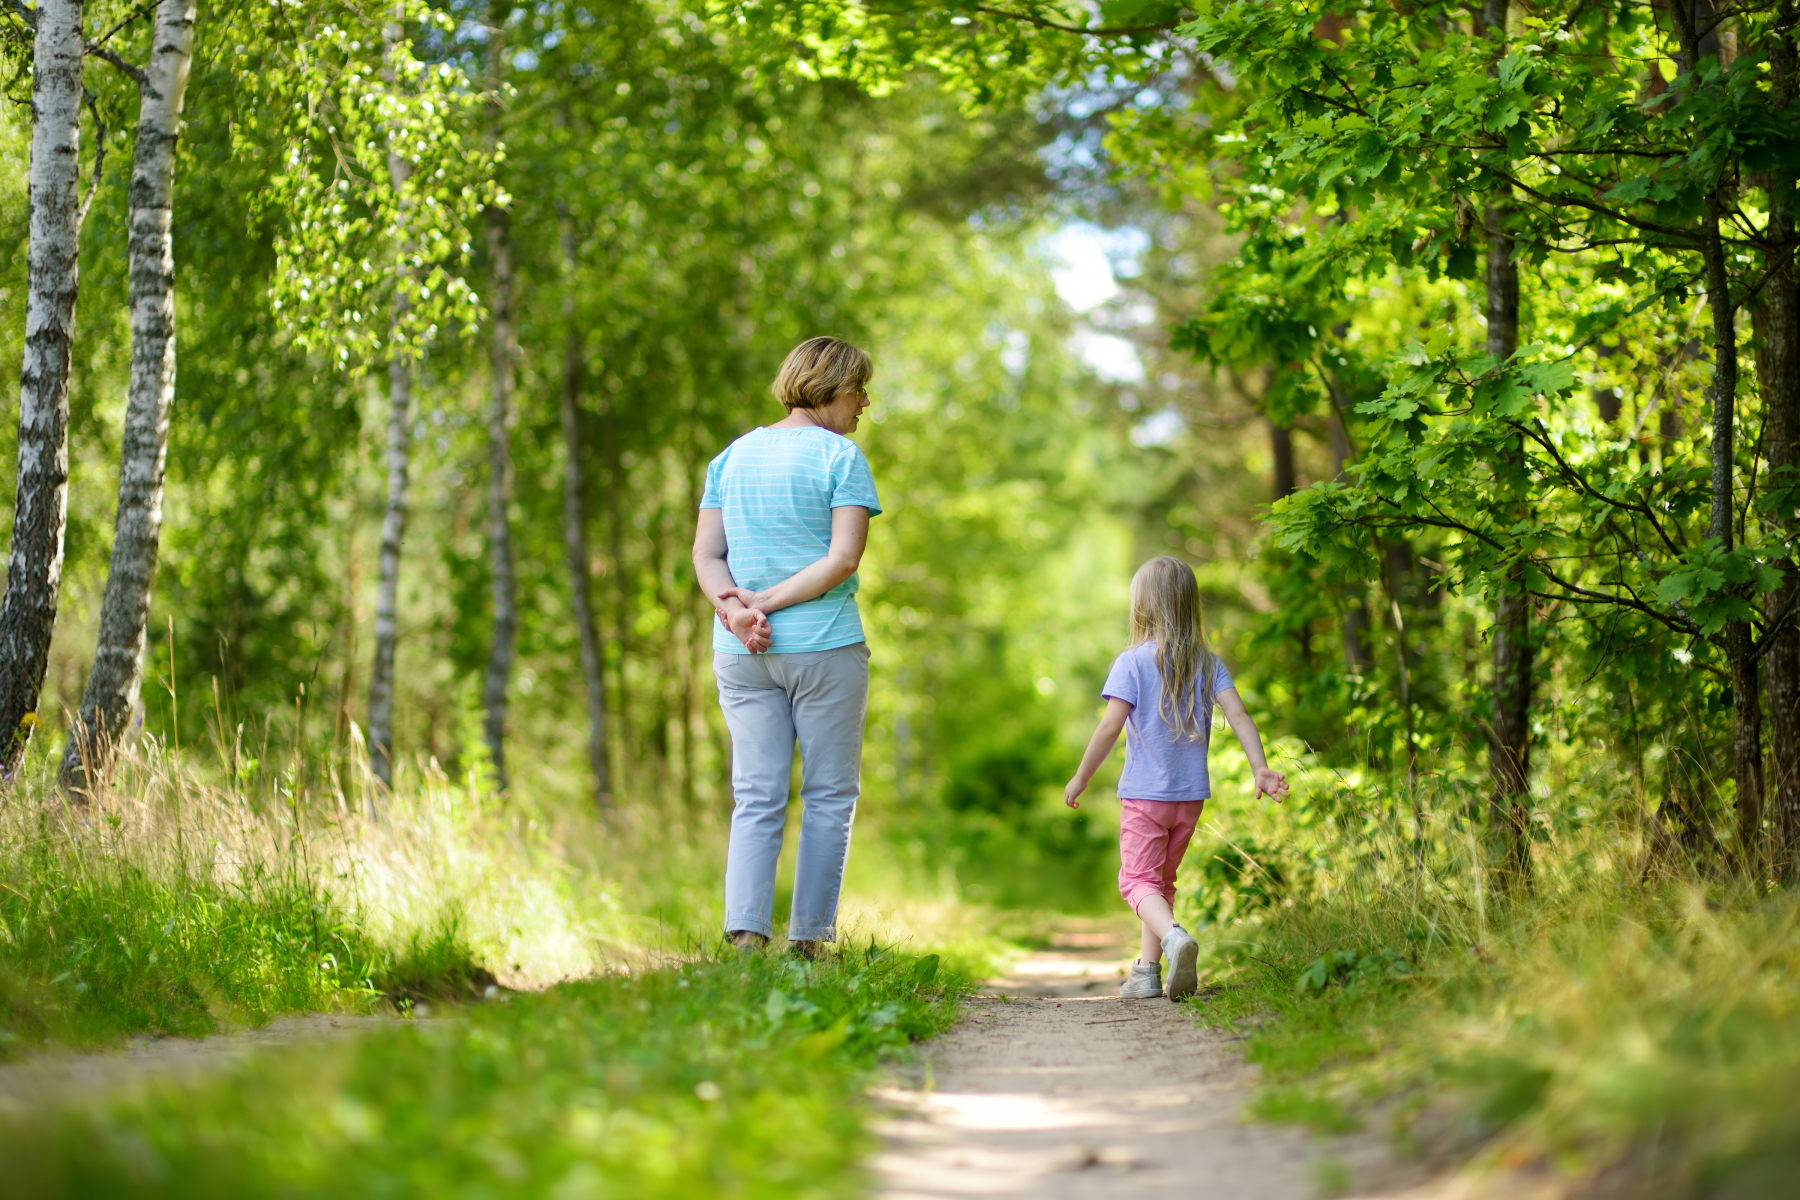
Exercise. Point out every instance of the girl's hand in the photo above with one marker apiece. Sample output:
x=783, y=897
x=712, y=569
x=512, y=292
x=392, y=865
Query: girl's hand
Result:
x=1074, y=789
x=1272, y=784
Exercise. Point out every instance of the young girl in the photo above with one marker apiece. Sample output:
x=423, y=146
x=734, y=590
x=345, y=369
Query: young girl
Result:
x=1161, y=691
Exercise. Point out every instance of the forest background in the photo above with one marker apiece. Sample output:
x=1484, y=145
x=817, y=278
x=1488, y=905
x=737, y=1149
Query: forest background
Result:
x=680, y=210
x=1403, y=326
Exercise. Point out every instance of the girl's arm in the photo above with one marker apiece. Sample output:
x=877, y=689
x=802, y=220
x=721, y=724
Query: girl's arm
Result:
x=1273, y=783
x=1106, y=736
x=849, y=537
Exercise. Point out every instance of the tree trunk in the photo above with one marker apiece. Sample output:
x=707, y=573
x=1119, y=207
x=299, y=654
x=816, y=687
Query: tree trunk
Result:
x=575, y=531
x=40, y=509
x=500, y=656
x=1778, y=364
x=112, y=686
x=1509, y=731
x=1607, y=401
x=1281, y=450
x=393, y=523
x=1358, y=659
x=1740, y=648
x=504, y=355
x=393, y=530
x=1746, y=706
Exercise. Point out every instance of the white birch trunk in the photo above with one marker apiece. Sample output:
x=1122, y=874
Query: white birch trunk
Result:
x=500, y=552
x=40, y=508
x=393, y=529
x=387, y=592
x=112, y=687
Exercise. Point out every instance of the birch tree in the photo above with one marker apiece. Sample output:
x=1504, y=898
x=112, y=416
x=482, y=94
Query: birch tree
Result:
x=380, y=182
x=112, y=686
x=393, y=517
x=40, y=506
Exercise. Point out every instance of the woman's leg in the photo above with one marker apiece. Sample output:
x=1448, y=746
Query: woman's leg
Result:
x=830, y=692
x=762, y=758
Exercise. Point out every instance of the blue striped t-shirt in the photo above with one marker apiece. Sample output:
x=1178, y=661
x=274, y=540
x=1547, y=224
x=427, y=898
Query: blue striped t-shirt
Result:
x=777, y=488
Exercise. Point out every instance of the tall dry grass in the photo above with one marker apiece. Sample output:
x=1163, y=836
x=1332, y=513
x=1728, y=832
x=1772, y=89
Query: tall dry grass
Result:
x=202, y=890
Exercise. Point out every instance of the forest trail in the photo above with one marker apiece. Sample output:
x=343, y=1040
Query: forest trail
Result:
x=1052, y=1087
x=67, y=1075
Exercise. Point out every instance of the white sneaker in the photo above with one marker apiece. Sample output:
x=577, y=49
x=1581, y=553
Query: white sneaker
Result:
x=1182, y=953
x=1145, y=982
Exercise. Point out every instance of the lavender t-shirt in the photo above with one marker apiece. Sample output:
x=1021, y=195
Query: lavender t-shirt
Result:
x=1160, y=762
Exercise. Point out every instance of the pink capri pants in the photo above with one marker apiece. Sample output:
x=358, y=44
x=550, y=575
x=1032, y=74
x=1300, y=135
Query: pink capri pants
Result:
x=1153, y=835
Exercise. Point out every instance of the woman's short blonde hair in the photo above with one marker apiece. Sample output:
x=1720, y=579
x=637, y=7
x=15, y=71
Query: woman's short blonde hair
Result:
x=818, y=370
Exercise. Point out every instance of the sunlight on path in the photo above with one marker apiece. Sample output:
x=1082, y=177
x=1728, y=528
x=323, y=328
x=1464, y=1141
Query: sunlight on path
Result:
x=1054, y=1087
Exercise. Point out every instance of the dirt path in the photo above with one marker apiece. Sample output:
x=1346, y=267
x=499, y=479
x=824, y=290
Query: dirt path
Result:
x=1054, y=1088
x=73, y=1075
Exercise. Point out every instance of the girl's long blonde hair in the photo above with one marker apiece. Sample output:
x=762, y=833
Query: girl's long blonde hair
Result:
x=1165, y=609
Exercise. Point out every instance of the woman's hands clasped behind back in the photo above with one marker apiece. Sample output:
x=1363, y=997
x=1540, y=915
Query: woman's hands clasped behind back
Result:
x=749, y=624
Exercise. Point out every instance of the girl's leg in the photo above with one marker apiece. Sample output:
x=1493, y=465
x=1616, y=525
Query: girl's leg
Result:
x=1184, y=952
x=762, y=756
x=1156, y=909
x=1158, y=918
x=1143, y=845
x=1184, y=818
x=830, y=690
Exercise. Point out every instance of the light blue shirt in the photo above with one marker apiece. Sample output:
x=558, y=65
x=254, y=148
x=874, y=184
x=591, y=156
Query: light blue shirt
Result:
x=776, y=489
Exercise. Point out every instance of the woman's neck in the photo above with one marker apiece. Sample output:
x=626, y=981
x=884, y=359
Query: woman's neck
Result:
x=801, y=418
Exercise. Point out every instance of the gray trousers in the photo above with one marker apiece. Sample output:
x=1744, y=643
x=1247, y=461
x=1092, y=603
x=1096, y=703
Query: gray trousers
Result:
x=819, y=699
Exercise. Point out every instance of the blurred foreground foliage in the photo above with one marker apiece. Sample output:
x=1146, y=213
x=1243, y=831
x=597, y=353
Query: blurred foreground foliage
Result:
x=735, y=1076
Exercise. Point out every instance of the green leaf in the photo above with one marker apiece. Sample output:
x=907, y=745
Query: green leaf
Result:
x=1545, y=379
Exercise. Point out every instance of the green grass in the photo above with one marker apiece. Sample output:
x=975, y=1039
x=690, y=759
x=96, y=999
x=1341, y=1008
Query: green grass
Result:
x=727, y=1077
x=99, y=942
x=1602, y=1023
x=92, y=949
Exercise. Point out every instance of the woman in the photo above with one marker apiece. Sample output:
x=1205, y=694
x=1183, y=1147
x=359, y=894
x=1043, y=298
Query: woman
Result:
x=783, y=522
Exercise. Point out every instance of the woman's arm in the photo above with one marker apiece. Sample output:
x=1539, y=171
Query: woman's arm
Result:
x=849, y=536
x=710, y=568
x=1106, y=736
x=1274, y=783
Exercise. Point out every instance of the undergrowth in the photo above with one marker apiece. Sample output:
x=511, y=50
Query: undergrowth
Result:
x=183, y=904
x=1612, y=1022
x=729, y=1076
x=94, y=950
